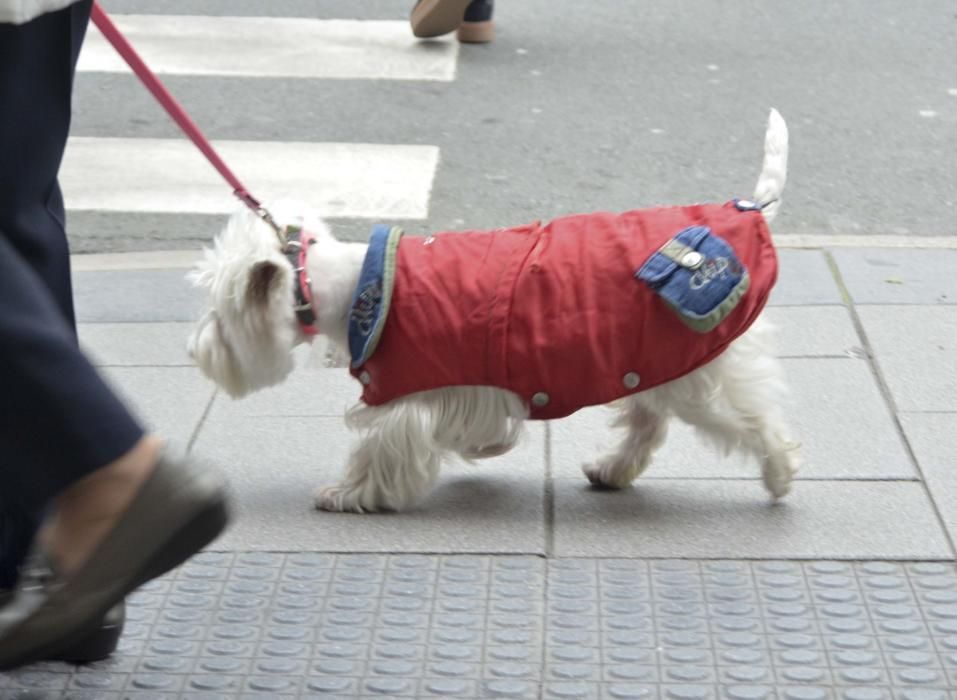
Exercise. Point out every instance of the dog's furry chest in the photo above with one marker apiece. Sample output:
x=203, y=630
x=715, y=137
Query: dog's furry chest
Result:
x=553, y=313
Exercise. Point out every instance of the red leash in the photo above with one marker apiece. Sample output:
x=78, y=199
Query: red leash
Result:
x=176, y=111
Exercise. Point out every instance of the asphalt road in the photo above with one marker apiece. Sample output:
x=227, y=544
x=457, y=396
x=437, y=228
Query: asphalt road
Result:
x=601, y=104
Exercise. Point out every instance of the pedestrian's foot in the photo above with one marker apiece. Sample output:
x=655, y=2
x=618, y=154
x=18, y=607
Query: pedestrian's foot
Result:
x=173, y=509
x=102, y=640
x=431, y=18
x=472, y=19
x=89, y=509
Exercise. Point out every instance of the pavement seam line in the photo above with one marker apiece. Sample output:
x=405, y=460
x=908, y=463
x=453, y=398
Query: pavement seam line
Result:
x=543, y=656
x=201, y=422
x=549, y=496
x=808, y=558
x=885, y=391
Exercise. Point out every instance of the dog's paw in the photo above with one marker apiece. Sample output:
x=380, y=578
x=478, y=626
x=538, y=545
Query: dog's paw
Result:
x=487, y=452
x=778, y=472
x=338, y=499
x=605, y=475
x=778, y=488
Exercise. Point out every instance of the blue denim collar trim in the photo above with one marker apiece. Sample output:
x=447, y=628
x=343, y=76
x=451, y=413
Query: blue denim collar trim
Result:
x=373, y=293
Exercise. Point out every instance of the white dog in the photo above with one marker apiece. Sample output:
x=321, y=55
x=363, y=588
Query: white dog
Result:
x=263, y=306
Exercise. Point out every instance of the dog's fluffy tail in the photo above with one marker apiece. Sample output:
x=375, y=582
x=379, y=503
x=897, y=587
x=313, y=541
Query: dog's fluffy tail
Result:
x=774, y=171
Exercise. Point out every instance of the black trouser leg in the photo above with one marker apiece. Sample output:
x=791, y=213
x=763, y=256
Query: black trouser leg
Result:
x=58, y=420
x=479, y=11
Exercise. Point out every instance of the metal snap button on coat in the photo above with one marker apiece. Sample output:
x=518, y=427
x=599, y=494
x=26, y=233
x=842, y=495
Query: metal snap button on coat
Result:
x=540, y=399
x=631, y=380
x=365, y=378
x=692, y=259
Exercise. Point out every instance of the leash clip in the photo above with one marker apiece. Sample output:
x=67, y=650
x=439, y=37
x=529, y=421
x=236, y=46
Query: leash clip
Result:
x=264, y=214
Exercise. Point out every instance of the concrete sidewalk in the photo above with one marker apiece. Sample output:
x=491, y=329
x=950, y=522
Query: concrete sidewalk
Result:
x=515, y=579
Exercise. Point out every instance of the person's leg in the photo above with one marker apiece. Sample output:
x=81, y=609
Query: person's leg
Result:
x=59, y=421
x=42, y=368
x=123, y=513
x=37, y=64
x=477, y=26
x=17, y=527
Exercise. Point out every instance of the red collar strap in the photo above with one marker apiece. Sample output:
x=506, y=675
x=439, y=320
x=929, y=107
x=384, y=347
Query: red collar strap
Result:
x=298, y=242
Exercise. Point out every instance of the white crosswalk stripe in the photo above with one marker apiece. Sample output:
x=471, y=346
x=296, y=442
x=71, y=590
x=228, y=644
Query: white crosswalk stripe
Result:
x=170, y=176
x=274, y=47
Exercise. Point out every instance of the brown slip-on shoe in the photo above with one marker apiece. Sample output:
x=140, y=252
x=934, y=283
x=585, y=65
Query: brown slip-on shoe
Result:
x=431, y=18
x=99, y=643
x=178, y=511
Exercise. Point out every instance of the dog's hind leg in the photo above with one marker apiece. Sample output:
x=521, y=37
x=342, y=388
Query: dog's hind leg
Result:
x=646, y=428
x=736, y=400
x=395, y=465
x=736, y=426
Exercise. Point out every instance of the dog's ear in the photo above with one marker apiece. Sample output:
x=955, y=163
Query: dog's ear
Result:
x=263, y=277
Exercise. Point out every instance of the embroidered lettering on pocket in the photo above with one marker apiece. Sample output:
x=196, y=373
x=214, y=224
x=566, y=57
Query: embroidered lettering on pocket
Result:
x=698, y=275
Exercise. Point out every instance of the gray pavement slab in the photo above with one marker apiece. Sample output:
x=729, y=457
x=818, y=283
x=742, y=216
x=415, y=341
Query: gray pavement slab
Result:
x=933, y=437
x=814, y=331
x=136, y=344
x=916, y=350
x=169, y=400
x=845, y=429
x=117, y=296
x=309, y=391
x=898, y=276
x=729, y=518
x=804, y=278
x=243, y=625
x=274, y=464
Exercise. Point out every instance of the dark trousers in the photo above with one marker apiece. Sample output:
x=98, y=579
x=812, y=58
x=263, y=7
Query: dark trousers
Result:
x=58, y=420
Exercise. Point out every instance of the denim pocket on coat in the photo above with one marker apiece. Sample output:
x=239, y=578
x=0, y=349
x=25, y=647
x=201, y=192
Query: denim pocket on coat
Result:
x=698, y=275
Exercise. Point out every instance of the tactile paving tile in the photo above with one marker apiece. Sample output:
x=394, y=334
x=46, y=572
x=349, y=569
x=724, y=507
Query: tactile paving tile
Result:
x=262, y=625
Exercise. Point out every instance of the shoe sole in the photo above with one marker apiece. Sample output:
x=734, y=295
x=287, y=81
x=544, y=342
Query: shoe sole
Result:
x=94, y=647
x=431, y=18
x=201, y=529
x=204, y=527
x=476, y=32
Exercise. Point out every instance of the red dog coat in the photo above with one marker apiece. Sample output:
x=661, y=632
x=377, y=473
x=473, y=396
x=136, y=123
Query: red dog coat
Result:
x=581, y=311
